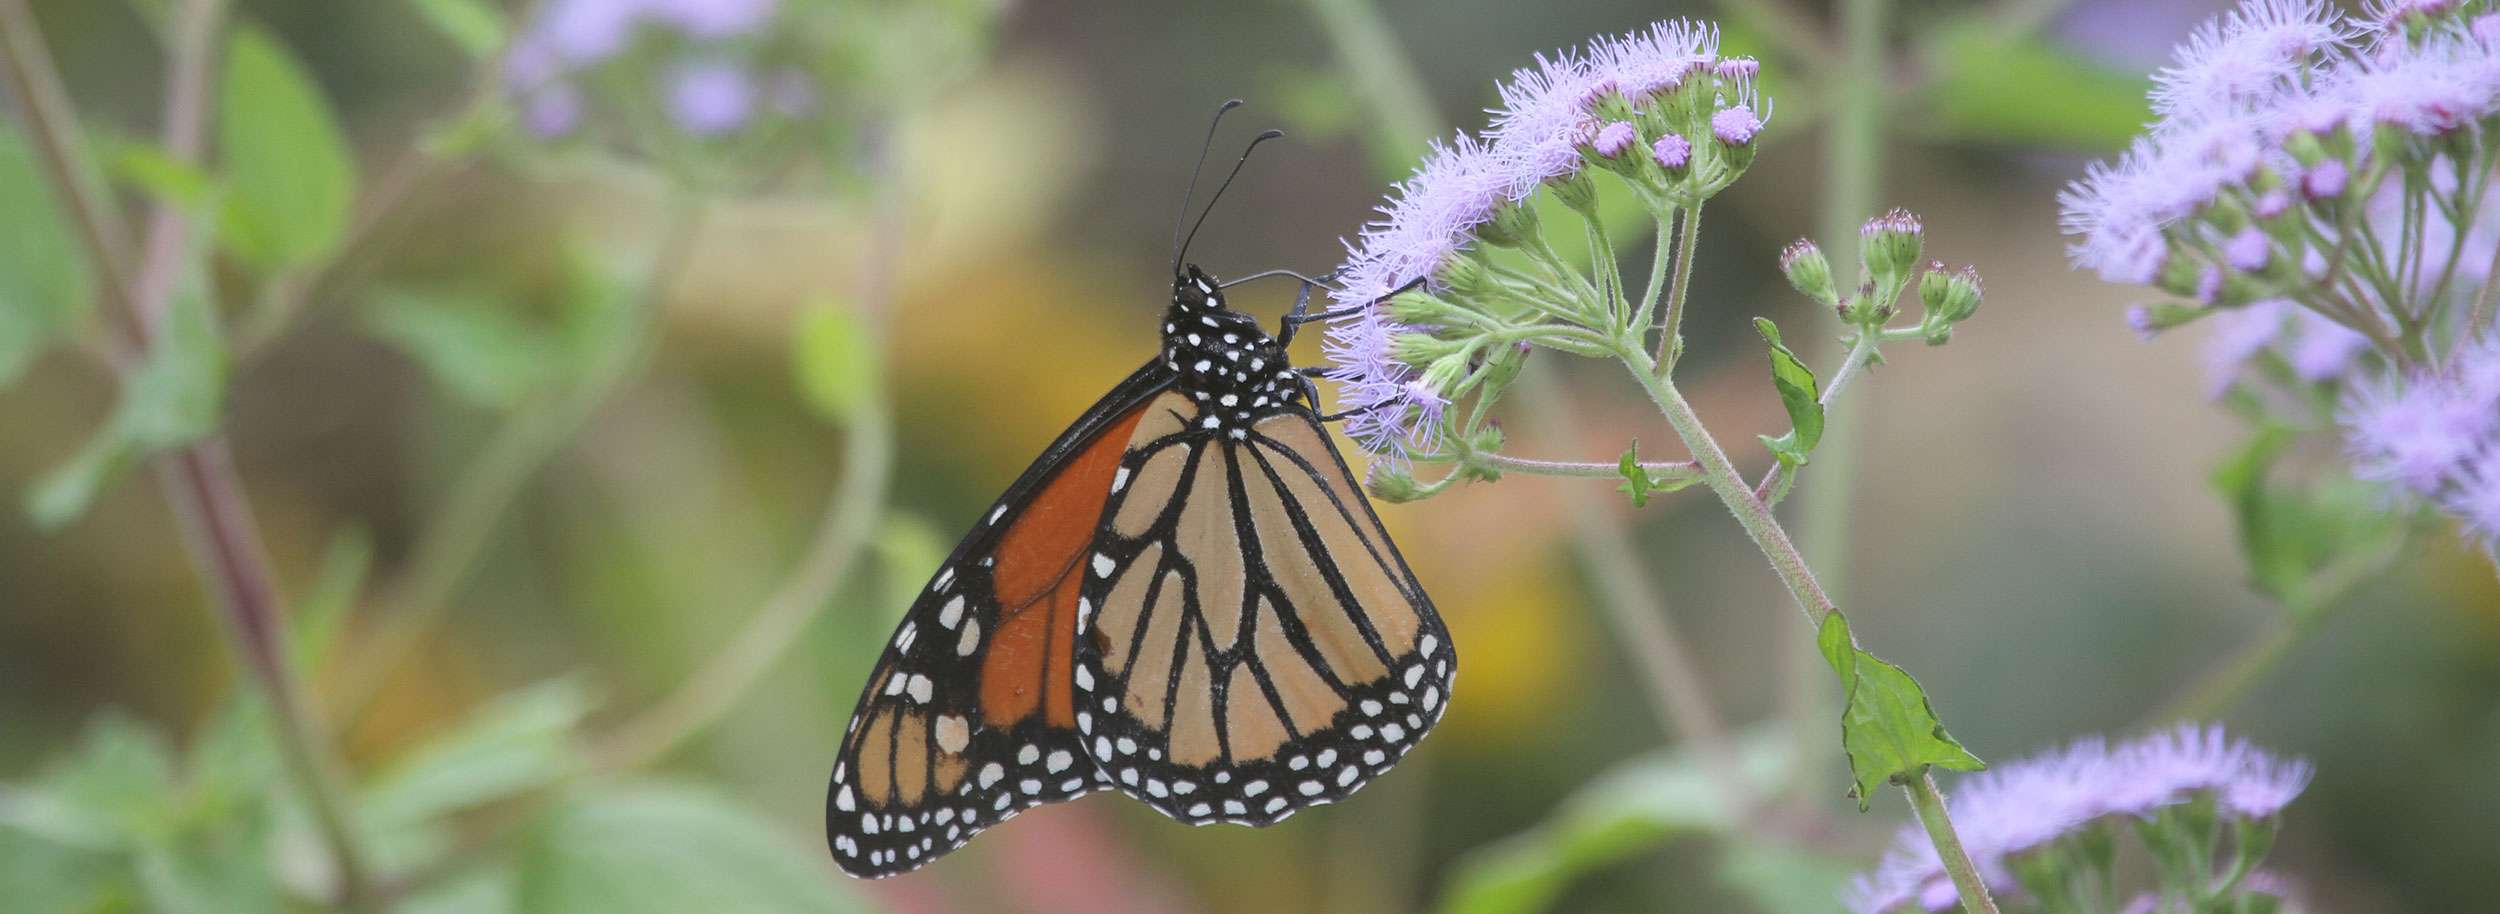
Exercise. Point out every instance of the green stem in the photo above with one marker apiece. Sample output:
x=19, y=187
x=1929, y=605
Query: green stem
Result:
x=1720, y=475
x=2480, y=319
x=207, y=499
x=448, y=549
x=1928, y=803
x=1671, y=325
x=1573, y=469
x=2319, y=600
x=1662, y=252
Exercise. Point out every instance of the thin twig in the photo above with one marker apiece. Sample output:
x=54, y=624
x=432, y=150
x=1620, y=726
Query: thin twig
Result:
x=1672, y=323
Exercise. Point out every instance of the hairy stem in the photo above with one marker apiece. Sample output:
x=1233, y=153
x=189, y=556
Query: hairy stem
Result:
x=1721, y=476
x=1928, y=803
x=1577, y=469
x=1671, y=325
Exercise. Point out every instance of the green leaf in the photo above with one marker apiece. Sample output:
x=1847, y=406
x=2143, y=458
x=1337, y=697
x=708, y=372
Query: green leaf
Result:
x=637, y=848
x=224, y=870
x=290, y=174
x=114, y=789
x=476, y=26
x=2028, y=91
x=838, y=363
x=64, y=493
x=44, y=280
x=1886, y=726
x=47, y=878
x=520, y=741
x=325, y=606
x=1636, y=481
x=479, y=350
x=149, y=169
x=1632, y=808
x=1797, y=394
x=486, y=892
x=175, y=397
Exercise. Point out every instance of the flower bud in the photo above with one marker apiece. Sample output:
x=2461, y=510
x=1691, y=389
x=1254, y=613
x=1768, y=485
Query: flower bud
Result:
x=1462, y=276
x=1576, y=191
x=1421, y=349
x=1950, y=298
x=1672, y=153
x=1615, y=139
x=2325, y=180
x=1735, y=127
x=1391, y=484
x=2249, y=251
x=1809, y=271
x=1513, y=223
x=1889, y=244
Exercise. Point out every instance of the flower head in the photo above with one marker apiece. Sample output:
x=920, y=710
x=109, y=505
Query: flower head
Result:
x=1735, y=126
x=2417, y=433
x=2028, y=804
x=710, y=99
x=2235, y=58
x=1671, y=151
x=1615, y=139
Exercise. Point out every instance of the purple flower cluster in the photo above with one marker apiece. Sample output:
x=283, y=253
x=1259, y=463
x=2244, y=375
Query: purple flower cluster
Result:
x=1601, y=102
x=2436, y=434
x=705, y=96
x=2276, y=104
x=2028, y=805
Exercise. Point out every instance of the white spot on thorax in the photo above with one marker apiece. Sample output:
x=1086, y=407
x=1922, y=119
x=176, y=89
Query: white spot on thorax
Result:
x=1060, y=759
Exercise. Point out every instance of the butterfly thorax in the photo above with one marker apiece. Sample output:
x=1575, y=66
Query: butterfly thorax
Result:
x=1223, y=359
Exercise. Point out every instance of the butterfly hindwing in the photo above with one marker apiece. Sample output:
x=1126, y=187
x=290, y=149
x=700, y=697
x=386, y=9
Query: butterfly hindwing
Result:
x=969, y=716
x=1255, y=644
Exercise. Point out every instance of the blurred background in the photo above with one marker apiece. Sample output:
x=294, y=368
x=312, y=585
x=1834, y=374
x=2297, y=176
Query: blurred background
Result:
x=613, y=347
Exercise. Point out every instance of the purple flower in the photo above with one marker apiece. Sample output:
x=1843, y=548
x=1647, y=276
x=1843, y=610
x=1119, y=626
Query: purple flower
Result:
x=2323, y=350
x=1672, y=151
x=1735, y=126
x=1739, y=69
x=1536, y=137
x=2249, y=251
x=2325, y=180
x=2235, y=58
x=2028, y=804
x=2418, y=433
x=2140, y=320
x=712, y=18
x=552, y=111
x=1615, y=138
x=710, y=99
x=586, y=31
x=2475, y=501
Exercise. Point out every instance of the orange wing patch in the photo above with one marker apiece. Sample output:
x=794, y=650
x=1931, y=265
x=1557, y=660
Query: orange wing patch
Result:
x=1040, y=566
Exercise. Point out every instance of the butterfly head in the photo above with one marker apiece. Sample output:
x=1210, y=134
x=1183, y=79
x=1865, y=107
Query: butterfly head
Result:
x=1222, y=357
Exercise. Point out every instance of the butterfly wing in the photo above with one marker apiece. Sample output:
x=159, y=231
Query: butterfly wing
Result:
x=1253, y=643
x=968, y=717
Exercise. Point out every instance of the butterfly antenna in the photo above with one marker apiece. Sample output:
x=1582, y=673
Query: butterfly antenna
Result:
x=1219, y=190
x=1203, y=149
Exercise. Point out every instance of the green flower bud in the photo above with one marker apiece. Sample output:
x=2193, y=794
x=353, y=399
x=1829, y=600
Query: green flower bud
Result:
x=1950, y=298
x=1577, y=191
x=1421, y=349
x=1889, y=245
x=1513, y=223
x=1464, y=277
x=1393, y=485
x=1809, y=271
x=1501, y=366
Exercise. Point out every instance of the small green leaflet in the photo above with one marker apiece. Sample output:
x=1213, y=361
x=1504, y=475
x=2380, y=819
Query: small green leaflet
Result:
x=1887, y=727
x=1636, y=479
x=1796, y=386
x=290, y=176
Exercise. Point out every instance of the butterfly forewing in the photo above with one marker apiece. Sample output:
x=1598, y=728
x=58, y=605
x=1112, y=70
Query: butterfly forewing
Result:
x=1255, y=645
x=970, y=715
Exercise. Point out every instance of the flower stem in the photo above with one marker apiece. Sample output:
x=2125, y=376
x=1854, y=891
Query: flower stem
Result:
x=2479, y=320
x=1928, y=803
x=1575, y=469
x=2318, y=601
x=1720, y=474
x=1663, y=252
x=207, y=499
x=1671, y=324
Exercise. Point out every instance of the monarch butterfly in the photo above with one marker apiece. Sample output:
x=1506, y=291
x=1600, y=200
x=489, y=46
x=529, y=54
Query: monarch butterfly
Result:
x=1185, y=598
